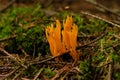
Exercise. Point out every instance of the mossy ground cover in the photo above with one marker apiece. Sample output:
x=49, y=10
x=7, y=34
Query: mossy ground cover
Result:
x=24, y=47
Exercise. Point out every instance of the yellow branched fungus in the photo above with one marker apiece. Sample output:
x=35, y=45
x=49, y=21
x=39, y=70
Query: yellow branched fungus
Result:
x=61, y=41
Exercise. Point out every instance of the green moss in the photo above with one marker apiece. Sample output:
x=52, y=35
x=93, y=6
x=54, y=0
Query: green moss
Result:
x=49, y=73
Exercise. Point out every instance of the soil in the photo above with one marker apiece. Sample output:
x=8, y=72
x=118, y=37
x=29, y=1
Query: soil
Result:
x=75, y=6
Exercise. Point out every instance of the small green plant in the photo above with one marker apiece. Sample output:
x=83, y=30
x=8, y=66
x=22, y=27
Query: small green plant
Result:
x=48, y=73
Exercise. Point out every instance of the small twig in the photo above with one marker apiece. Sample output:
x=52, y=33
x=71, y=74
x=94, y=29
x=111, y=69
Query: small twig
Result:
x=3, y=57
x=101, y=46
x=24, y=52
x=21, y=71
x=5, y=39
x=86, y=36
x=63, y=78
x=12, y=57
x=63, y=63
x=104, y=64
x=7, y=75
x=64, y=69
x=110, y=70
x=7, y=6
x=36, y=76
x=48, y=59
x=116, y=36
x=97, y=17
x=102, y=7
x=102, y=35
x=4, y=51
x=5, y=67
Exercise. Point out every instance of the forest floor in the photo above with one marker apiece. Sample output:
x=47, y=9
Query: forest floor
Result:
x=24, y=50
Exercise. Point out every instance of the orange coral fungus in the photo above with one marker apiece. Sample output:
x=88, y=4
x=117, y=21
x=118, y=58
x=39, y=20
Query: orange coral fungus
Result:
x=61, y=41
